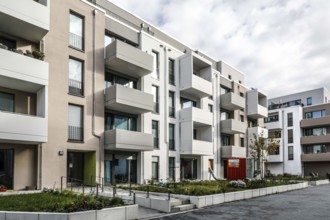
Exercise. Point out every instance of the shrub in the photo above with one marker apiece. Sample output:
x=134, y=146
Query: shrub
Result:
x=237, y=184
x=116, y=201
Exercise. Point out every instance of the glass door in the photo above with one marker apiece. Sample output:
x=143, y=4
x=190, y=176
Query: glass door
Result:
x=7, y=168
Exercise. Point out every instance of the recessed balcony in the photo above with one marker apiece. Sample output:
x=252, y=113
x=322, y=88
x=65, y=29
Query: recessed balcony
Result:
x=315, y=122
x=19, y=128
x=25, y=18
x=231, y=101
x=197, y=147
x=21, y=72
x=128, y=60
x=198, y=116
x=123, y=99
x=258, y=131
x=257, y=104
x=315, y=157
x=124, y=140
x=232, y=126
x=315, y=139
x=233, y=151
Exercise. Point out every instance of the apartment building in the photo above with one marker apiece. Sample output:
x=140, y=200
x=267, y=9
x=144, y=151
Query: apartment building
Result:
x=285, y=115
x=115, y=98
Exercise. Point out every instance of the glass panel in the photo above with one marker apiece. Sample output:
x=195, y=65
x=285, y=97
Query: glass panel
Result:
x=155, y=72
x=132, y=124
x=155, y=133
x=76, y=31
x=107, y=40
x=121, y=122
x=75, y=76
x=171, y=168
x=171, y=71
x=7, y=102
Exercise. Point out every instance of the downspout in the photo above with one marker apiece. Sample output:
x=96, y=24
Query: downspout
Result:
x=142, y=116
x=217, y=103
x=166, y=109
x=283, y=141
x=93, y=87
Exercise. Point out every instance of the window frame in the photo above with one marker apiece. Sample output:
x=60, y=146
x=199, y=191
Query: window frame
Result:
x=290, y=155
x=171, y=66
x=156, y=99
x=155, y=134
x=82, y=123
x=82, y=49
x=171, y=106
x=13, y=95
x=171, y=146
x=290, y=119
x=82, y=77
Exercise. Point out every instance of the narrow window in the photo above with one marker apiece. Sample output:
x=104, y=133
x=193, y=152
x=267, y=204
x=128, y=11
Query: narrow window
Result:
x=171, y=141
x=155, y=130
x=171, y=103
x=242, y=142
x=7, y=102
x=155, y=72
x=75, y=77
x=171, y=74
x=155, y=168
x=171, y=168
x=76, y=36
x=75, y=123
x=290, y=119
x=290, y=136
x=309, y=101
x=156, y=99
x=290, y=153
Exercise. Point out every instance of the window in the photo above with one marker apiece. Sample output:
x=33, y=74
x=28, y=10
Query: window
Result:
x=211, y=97
x=309, y=101
x=155, y=133
x=195, y=134
x=171, y=168
x=76, y=38
x=155, y=92
x=8, y=43
x=171, y=133
x=107, y=40
x=224, y=115
x=112, y=79
x=75, y=77
x=242, y=118
x=7, y=102
x=171, y=74
x=241, y=94
x=274, y=133
x=242, y=142
x=75, y=123
x=171, y=103
x=271, y=118
x=155, y=168
x=315, y=114
x=290, y=119
x=210, y=108
x=290, y=136
x=224, y=90
x=116, y=121
x=155, y=72
x=187, y=103
x=225, y=140
x=315, y=149
x=315, y=131
x=290, y=153
x=229, y=76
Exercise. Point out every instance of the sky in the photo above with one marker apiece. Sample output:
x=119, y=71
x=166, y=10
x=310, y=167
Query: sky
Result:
x=282, y=46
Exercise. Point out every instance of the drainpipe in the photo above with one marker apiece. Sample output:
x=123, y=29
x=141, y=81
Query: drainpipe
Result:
x=40, y=166
x=283, y=141
x=166, y=108
x=93, y=92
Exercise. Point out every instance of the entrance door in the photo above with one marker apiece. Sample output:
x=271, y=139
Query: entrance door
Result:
x=7, y=168
x=75, y=167
x=189, y=168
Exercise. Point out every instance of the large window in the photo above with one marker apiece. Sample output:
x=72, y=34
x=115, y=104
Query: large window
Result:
x=7, y=102
x=155, y=133
x=290, y=119
x=271, y=118
x=155, y=92
x=315, y=149
x=315, y=131
x=290, y=153
x=274, y=133
x=75, y=77
x=171, y=74
x=76, y=38
x=290, y=136
x=112, y=79
x=116, y=121
x=155, y=72
x=187, y=103
x=171, y=104
x=76, y=128
x=155, y=168
x=315, y=114
x=171, y=133
x=225, y=140
x=171, y=168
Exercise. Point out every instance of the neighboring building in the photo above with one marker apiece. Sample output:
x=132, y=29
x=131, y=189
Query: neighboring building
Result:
x=115, y=95
x=284, y=123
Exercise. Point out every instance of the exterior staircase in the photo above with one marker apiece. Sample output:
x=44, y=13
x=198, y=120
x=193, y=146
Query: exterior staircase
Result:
x=178, y=205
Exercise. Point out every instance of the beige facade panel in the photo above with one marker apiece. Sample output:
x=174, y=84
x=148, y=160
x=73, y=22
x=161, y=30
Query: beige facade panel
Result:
x=231, y=101
x=315, y=122
x=123, y=99
x=198, y=116
x=315, y=157
x=233, y=151
x=232, y=126
x=27, y=17
x=128, y=60
x=315, y=139
x=123, y=140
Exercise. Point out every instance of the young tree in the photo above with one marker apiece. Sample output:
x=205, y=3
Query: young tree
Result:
x=260, y=148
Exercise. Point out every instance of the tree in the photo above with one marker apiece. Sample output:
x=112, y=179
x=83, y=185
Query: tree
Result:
x=260, y=148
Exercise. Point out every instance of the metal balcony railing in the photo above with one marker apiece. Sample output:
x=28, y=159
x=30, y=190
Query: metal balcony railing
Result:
x=76, y=41
x=75, y=133
x=75, y=87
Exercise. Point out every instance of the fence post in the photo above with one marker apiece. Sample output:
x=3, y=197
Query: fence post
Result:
x=169, y=194
x=133, y=197
x=83, y=188
x=114, y=191
x=97, y=190
x=71, y=184
x=61, y=183
x=147, y=191
x=102, y=184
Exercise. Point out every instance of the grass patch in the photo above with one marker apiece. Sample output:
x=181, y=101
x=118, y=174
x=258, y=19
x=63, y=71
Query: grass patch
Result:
x=56, y=202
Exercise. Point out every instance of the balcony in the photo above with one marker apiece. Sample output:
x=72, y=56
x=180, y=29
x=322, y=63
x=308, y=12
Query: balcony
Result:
x=198, y=116
x=27, y=19
x=315, y=139
x=232, y=126
x=258, y=131
x=18, y=128
x=127, y=59
x=197, y=147
x=315, y=157
x=257, y=112
x=275, y=158
x=233, y=151
x=257, y=104
x=123, y=140
x=196, y=76
x=123, y=99
x=315, y=122
x=16, y=70
x=231, y=101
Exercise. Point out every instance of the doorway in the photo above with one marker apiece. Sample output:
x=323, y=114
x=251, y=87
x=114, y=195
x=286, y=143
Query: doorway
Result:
x=7, y=168
x=75, y=167
x=188, y=169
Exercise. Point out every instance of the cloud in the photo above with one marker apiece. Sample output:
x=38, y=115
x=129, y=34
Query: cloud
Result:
x=281, y=46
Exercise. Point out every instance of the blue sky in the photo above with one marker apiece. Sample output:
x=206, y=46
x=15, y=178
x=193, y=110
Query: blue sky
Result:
x=281, y=46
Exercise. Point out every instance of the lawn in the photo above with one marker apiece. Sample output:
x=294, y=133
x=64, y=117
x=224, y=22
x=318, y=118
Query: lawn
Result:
x=56, y=202
x=199, y=188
